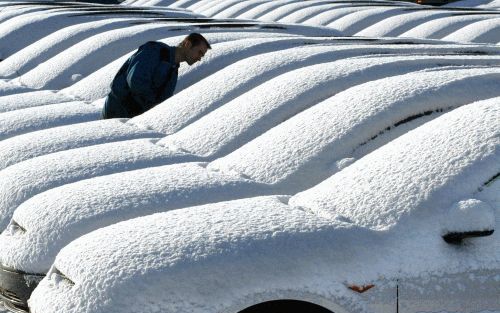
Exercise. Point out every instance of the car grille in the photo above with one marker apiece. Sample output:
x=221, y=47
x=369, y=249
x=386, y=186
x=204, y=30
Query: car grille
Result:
x=10, y=296
x=15, y=308
x=12, y=302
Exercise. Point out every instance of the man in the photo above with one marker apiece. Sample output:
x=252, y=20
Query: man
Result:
x=149, y=76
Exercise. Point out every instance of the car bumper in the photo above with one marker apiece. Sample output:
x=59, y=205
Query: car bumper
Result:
x=16, y=288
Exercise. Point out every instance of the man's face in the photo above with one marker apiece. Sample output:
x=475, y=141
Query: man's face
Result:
x=195, y=53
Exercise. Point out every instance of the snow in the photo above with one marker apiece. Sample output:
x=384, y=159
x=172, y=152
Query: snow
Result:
x=272, y=167
x=238, y=8
x=439, y=28
x=96, y=85
x=489, y=4
x=235, y=79
x=22, y=30
x=11, y=11
x=469, y=215
x=202, y=97
x=175, y=4
x=281, y=12
x=61, y=138
x=270, y=220
x=215, y=8
x=361, y=19
x=28, y=178
x=262, y=9
x=218, y=254
x=357, y=21
x=481, y=31
x=302, y=151
x=21, y=121
x=290, y=139
x=96, y=51
x=8, y=87
x=75, y=209
x=30, y=99
x=220, y=58
x=23, y=180
x=386, y=185
x=88, y=55
x=307, y=12
x=52, y=44
x=232, y=52
x=396, y=25
x=330, y=15
x=263, y=107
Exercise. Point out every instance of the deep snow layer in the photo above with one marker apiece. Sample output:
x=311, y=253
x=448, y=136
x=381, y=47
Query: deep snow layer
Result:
x=249, y=246
x=388, y=184
x=202, y=97
x=24, y=29
x=84, y=163
x=263, y=166
x=481, y=23
x=277, y=122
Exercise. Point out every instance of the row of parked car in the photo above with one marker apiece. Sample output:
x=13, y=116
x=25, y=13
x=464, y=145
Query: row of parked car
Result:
x=452, y=22
x=297, y=168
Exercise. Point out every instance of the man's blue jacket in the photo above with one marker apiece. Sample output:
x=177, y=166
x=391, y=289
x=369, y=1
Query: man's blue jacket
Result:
x=147, y=78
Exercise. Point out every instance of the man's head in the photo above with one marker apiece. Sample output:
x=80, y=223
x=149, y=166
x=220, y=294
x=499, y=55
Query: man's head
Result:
x=194, y=47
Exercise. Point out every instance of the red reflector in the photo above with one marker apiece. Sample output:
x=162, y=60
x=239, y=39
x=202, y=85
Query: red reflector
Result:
x=360, y=289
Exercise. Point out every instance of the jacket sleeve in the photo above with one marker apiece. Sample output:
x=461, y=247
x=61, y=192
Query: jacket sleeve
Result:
x=140, y=77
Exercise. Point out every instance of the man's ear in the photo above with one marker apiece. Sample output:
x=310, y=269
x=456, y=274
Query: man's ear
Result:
x=188, y=44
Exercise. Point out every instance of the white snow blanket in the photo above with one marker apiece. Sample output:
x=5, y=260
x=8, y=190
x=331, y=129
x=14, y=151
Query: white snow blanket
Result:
x=219, y=254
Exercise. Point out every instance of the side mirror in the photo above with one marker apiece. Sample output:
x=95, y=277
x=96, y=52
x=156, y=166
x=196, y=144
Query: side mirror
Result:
x=467, y=219
x=456, y=238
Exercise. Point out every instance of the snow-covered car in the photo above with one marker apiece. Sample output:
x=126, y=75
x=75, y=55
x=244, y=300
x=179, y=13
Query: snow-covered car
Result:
x=31, y=111
x=25, y=27
x=366, y=18
x=296, y=105
x=239, y=120
x=290, y=157
x=410, y=227
x=88, y=39
x=199, y=108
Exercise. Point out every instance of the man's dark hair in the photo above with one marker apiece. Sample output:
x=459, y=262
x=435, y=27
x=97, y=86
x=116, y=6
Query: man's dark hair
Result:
x=196, y=39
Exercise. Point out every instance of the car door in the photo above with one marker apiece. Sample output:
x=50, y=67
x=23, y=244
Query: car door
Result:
x=467, y=292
